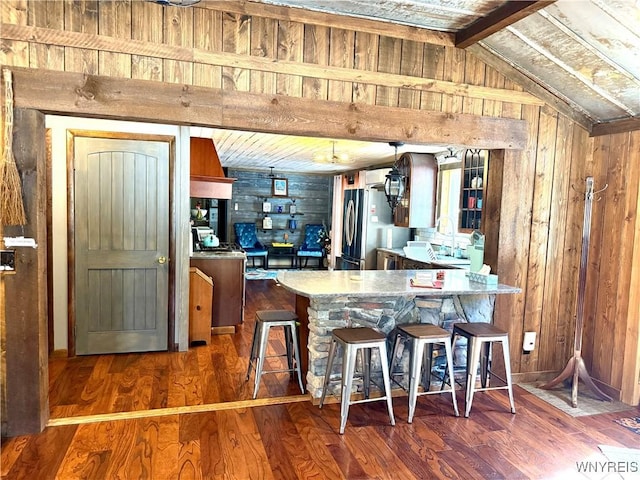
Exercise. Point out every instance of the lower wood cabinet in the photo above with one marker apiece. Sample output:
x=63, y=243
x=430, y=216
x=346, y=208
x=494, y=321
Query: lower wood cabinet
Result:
x=200, y=306
x=228, y=289
x=408, y=264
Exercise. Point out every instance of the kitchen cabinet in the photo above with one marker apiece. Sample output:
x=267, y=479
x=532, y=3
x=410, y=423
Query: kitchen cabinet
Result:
x=417, y=209
x=200, y=306
x=474, y=180
x=409, y=264
x=227, y=273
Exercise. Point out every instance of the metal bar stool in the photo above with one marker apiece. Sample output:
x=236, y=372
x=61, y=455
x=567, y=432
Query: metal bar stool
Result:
x=422, y=335
x=480, y=337
x=353, y=340
x=265, y=320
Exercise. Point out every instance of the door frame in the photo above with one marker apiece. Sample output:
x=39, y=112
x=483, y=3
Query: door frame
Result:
x=72, y=320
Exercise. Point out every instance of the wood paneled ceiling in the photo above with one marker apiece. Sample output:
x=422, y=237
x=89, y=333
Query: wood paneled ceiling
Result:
x=581, y=54
x=286, y=153
x=584, y=52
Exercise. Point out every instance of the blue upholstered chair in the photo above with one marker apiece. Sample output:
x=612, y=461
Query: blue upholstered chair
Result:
x=311, y=246
x=246, y=237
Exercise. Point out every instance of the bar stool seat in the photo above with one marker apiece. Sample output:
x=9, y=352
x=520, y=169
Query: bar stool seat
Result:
x=265, y=320
x=352, y=340
x=422, y=335
x=480, y=338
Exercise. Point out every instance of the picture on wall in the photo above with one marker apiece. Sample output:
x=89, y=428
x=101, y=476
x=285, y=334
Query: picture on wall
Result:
x=280, y=187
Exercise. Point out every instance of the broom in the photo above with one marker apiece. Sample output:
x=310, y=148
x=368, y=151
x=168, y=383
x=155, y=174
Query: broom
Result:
x=11, y=206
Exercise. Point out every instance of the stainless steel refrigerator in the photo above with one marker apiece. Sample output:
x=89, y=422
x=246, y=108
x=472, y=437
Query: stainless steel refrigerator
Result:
x=367, y=224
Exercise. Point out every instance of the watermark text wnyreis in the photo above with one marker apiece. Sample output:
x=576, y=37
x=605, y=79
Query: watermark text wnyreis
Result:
x=608, y=467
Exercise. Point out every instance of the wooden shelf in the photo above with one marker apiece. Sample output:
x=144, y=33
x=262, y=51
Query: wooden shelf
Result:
x=474, y=178
x=281, y=213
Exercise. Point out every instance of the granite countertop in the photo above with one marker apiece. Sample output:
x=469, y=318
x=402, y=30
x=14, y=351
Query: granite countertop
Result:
x=460, y=263
x=217, y=255
x=380, y=283
x=396, y=251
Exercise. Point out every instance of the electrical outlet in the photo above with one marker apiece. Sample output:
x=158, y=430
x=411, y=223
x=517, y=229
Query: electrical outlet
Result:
x=8, y=260
x=529, y=341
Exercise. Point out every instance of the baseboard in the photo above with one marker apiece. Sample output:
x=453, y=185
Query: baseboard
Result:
x=62, y=353
x=528, y=377
x=223, y=330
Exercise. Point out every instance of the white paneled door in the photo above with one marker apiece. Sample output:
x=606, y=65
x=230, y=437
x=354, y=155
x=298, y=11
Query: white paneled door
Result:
x=121, y=232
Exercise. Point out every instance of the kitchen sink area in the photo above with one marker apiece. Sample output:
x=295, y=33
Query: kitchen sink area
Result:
x=448, y=260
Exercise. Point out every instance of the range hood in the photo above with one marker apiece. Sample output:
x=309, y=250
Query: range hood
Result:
x=207, y=177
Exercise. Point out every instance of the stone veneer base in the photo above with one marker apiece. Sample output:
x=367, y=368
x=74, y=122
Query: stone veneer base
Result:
x=384, y=314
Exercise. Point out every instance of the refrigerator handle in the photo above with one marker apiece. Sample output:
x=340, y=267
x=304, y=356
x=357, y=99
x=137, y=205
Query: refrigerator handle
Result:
x=350, y=223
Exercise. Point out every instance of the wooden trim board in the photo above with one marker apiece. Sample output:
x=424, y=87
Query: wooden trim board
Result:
x=162, y=412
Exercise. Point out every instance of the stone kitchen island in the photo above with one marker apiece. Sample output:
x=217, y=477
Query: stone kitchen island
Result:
x=380, y=299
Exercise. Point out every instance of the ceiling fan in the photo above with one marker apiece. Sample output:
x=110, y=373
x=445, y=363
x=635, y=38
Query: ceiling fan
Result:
x=333, y=158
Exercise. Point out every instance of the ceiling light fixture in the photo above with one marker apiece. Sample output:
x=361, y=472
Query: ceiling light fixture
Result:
x=394, y=181
x=333, y=158
x=449, y=158
x=175, y=3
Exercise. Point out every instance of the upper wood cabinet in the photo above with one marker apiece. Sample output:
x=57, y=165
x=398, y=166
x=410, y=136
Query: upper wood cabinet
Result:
x=474, y=182
x=418, y=207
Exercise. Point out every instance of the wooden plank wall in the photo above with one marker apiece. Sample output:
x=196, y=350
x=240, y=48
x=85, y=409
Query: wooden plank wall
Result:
x=312, y=195
x=538, y=223
x=613, y=311
x=26, y=291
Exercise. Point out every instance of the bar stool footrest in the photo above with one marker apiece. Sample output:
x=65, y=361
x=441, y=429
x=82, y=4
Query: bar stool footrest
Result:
x=366, y=400
x=486, y=389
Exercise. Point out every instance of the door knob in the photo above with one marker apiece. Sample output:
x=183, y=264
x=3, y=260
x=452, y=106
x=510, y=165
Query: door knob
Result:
x=162, y=260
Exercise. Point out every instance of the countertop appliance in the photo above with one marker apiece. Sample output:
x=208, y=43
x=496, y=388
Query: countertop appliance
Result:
x=202, y=232
x=204, y=239
x=420, y=251
x=199, y=243
x=223, y=247
x=368, y=225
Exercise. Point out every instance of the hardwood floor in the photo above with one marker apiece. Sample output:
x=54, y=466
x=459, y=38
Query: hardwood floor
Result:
x=299, y=440
x=205, y=374
x=284, y=437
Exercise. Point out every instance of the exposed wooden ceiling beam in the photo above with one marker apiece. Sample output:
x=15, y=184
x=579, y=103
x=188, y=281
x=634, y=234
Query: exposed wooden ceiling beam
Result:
x=186, y=54
x=96, y=96
x=615, y=126
x=500, y=18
